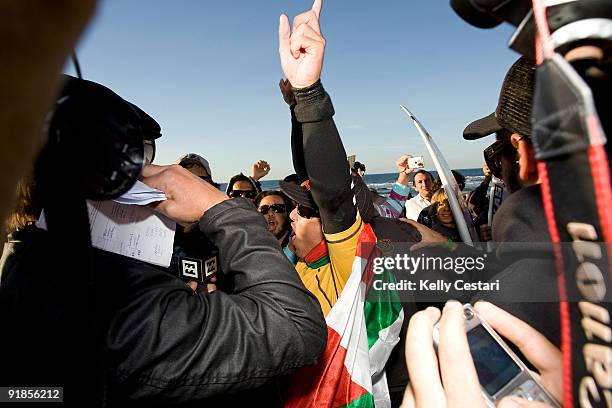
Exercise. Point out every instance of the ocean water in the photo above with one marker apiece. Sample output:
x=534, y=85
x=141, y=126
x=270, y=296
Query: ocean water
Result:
x=383, y=182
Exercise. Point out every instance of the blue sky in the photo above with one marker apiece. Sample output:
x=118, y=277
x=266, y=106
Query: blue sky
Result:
x=208, y=73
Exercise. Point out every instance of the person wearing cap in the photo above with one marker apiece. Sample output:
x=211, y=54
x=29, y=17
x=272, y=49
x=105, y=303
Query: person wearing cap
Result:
x=330, y=215
x=197, y=165
x=511, y=120
x=521, y=218
x=188, y=240
x=326, y=223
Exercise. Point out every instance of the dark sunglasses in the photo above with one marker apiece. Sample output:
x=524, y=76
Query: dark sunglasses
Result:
x=307, y=212
x=277, y=208
x=243, y=193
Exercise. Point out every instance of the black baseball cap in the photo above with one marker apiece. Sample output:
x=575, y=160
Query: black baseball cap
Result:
x=514, y=106
x=300, y=194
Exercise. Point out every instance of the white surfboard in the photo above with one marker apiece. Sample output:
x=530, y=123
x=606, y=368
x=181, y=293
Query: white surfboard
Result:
x=461, y=214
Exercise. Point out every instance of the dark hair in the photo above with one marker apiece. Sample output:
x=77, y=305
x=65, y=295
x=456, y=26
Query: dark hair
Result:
x=263, y=194
x=359, y=166
x=459, y=178
x=422, y=172
x=241, y=177
x=28, y=205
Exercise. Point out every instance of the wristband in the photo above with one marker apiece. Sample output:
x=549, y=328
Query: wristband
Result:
x=450, y=245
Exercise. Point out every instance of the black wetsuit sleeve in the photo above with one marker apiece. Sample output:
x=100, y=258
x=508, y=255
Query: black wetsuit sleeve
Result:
x=325, y=158
x=297, y=147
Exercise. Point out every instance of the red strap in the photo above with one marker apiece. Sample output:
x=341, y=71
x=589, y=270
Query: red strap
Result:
x=566, y=332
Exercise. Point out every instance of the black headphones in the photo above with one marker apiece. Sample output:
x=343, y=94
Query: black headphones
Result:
x=98, y=137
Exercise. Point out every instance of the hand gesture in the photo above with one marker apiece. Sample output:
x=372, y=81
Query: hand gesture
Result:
x=187, y=196
x=260, y=169
x=301, y=51
x=285, y=87
x=403, y=170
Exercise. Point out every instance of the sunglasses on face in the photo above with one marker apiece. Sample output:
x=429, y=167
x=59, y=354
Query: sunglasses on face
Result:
x=277, y=208
x=243, y=193
x=307, y=212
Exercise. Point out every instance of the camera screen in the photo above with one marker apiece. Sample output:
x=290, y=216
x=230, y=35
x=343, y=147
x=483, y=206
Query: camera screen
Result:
x=493, y=365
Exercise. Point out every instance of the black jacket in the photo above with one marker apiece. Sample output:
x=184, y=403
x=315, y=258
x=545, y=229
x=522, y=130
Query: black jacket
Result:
x=159, y=342
x=528, y=284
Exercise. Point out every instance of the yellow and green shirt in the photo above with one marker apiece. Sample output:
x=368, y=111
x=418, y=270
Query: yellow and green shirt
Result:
x=327, y=267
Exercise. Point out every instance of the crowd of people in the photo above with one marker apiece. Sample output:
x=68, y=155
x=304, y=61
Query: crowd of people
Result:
x=132, y=333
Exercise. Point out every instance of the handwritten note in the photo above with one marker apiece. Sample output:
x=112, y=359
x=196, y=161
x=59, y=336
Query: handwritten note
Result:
x=131, y=230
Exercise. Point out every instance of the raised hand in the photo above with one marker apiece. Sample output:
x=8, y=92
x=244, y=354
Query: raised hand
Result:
x=301, y=51
x=403, y=170
x=260, y=169
x=402, y=164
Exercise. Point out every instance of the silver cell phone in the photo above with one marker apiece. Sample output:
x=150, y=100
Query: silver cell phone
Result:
x=500, y=372
x=416, y=162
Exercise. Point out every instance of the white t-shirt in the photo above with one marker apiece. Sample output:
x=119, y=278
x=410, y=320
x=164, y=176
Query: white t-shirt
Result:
x=415, y=205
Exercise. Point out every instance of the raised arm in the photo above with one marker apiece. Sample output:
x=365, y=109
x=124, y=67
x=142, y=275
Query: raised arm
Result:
x=297, y=146
x=393, y=206
x=301, y=53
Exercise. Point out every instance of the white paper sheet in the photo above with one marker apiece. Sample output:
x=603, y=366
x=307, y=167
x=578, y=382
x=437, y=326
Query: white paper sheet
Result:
x=131, y=230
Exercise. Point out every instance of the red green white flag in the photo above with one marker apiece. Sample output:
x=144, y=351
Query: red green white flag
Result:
x=363, y=327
